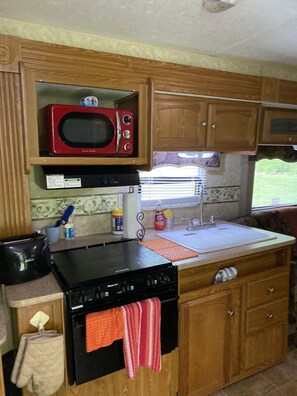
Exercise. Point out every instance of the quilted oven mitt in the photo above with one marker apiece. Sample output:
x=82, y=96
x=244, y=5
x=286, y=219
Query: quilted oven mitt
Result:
x=41, y=368
x=21, y=350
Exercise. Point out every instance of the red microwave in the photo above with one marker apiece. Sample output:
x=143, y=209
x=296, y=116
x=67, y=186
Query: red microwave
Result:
x=89, y=131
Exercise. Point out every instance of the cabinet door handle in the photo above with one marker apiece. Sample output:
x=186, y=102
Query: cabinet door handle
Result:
x=213, y=126
x=230, y=312
x=204, y=123
x=270, y=290
x=269, y=316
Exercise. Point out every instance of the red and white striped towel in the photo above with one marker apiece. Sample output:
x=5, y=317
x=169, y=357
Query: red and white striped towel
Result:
x=142, y=343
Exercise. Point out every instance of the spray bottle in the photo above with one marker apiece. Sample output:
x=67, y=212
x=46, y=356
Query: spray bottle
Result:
x=159, y=217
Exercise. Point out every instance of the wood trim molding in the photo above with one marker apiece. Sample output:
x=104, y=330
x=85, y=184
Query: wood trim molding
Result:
x=51, y=58
x=10, y=53
x=15, y=211
x=270, y=89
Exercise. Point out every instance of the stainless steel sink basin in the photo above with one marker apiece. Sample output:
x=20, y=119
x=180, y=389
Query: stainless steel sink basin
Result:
x=223, y=236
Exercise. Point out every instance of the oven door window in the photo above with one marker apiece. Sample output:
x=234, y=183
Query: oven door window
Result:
x=86, y=130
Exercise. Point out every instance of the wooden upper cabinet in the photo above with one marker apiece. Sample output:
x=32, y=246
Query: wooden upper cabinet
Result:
x=192, y=123
x=179, y=123
x=40, y=88
x=278, y=126
x=232, y=126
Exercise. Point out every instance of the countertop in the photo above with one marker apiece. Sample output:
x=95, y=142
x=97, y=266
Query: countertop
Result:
x=3, y=333
x=46, y=288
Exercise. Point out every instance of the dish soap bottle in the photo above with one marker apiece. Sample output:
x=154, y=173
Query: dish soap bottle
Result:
x=159, y=218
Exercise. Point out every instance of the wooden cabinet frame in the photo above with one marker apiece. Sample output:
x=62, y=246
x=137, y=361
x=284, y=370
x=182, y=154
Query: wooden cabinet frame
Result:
x=32, y=76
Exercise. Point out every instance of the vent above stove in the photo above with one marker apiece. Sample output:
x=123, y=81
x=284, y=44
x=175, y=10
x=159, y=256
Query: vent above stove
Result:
x=66, y=177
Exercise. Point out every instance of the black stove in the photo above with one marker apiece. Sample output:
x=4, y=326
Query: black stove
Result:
x=111, y=272
x=104, y=276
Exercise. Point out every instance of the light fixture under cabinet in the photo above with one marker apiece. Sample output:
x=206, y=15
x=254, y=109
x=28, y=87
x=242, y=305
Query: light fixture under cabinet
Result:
x=219, y=5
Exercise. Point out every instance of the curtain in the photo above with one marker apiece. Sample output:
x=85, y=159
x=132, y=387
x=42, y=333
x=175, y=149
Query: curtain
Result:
x=202, y=159
x=284, y=153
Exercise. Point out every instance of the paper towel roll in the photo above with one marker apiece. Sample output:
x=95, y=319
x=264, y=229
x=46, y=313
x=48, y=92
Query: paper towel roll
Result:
x=131, y=208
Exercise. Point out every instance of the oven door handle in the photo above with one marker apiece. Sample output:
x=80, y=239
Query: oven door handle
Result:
x=79, y=318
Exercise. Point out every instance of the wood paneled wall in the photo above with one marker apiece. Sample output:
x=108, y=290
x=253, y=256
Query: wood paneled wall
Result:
x=15, y=213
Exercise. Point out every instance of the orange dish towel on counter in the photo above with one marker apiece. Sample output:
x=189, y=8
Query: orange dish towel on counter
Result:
x=170, y=250
x=103, y=328
x=142, y=342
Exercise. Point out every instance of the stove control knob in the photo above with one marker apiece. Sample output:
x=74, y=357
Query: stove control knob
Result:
x=151, y=281
x=126, y=287
x=100, y=294
x=82, y=297
x=164, y=278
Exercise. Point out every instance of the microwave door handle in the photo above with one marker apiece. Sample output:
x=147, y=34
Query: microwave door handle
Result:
x=119, y=131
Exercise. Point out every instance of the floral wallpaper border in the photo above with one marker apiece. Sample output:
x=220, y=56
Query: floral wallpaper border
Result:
x=223, y=194
x=84, y=205
x=95, y=204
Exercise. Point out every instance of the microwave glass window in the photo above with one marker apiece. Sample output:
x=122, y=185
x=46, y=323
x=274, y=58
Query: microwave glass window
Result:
x=86, y=130
x=283, y=126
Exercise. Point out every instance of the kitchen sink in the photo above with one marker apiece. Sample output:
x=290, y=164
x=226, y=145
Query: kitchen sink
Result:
x=225, y=235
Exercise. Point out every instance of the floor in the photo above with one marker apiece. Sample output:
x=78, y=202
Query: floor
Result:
x=279, y=380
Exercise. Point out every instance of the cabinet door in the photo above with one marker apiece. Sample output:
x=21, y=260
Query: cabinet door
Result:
x=232, y=126
x=265, y=348
x=279, y=126
x=179, y=123
x=209, y=342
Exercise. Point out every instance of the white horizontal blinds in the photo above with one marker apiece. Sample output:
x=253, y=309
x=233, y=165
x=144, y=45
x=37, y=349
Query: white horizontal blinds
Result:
x=173, y=185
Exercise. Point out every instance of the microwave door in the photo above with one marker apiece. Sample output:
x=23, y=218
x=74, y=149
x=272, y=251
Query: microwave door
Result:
x=119, y=131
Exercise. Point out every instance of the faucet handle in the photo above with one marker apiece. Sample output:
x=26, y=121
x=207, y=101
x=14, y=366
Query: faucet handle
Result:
x=212, y=218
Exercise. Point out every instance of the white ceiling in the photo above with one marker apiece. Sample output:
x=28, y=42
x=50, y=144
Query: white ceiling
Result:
x=258, y=30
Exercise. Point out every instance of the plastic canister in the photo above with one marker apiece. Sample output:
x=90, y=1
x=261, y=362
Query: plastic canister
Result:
x=117, y=221
x=69, y=229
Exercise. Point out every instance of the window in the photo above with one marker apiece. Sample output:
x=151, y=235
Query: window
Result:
x=274, y=183
x=173, y=185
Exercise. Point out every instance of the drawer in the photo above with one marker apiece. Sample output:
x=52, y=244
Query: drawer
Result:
x=267, y=315
x=268, y=289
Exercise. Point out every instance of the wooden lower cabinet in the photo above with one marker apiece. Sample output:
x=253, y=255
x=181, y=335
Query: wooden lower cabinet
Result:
x=209, y=337
x=227, y=331
x=146, y=382
x=234, y=329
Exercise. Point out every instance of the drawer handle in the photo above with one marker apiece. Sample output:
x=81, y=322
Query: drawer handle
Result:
x=269, y=316
x=213, y=126
x=230, y=312
x=270, y=290
x=204, y=123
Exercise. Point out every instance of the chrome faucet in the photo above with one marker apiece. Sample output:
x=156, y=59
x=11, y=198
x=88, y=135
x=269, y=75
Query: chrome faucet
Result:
x=197, y=224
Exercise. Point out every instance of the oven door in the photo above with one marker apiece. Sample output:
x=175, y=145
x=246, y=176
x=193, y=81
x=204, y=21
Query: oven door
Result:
x=83, y=366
